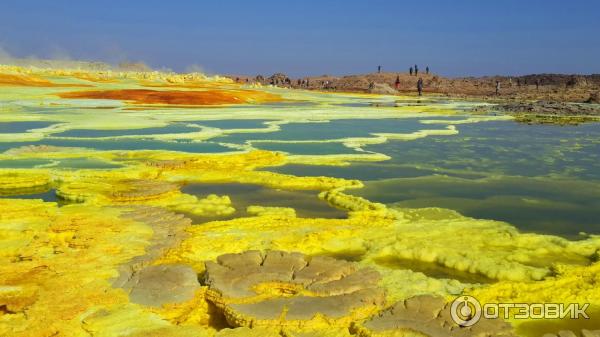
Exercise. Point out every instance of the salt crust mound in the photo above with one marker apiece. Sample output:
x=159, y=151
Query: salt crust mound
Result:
x=167, y=232
x=157, y=285
x=280, y=289
x=427, y=316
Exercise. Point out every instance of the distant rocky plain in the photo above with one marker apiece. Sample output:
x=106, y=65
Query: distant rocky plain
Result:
x=537, y=98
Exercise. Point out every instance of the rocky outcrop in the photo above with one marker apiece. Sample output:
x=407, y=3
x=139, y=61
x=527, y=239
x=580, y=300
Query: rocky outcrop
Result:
x=278, y=79
x=547, y=107
x=381, y=89
x=546, y=112
x=594, y=98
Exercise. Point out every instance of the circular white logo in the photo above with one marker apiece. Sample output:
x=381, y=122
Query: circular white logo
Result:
x=465, y=310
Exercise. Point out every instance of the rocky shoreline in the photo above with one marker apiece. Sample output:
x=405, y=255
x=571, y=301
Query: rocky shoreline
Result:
x=545, y=112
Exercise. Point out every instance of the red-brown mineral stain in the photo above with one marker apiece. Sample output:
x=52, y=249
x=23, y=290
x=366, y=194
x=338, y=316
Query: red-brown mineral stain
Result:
x=176, y=97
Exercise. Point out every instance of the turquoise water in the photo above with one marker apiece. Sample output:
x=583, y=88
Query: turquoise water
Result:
x=23, y=163
x=358, y=170
x=174, y=128
x=19, y=127
x=508, y=148
x=405, y=102
x=480, y=150
x=48, y=196
x=230, y=124
x=138, y=144
x=306, y=203
x=43, y=192
x=71, y=163
x=541, y=178
x=306, y=148
x=335, y=129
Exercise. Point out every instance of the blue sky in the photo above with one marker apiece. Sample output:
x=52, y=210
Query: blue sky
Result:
x=454, y=38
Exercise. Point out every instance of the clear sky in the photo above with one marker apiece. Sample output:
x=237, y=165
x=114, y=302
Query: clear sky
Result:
x=453, y=37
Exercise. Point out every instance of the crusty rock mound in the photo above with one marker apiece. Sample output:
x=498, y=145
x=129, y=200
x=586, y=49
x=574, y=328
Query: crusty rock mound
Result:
x=291, y=290
x=427, y=316
x=167, y=231
x=162, y=284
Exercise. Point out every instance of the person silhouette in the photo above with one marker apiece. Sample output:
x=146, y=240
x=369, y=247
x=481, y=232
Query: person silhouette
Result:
x=427, y=70
x=397, y=83
x=411, y=71
x=416, y=70
x=420, y=86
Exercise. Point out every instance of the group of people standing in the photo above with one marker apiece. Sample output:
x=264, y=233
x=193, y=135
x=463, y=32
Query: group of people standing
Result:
x=303, y=83
x=415, y=70
x=412, y=70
